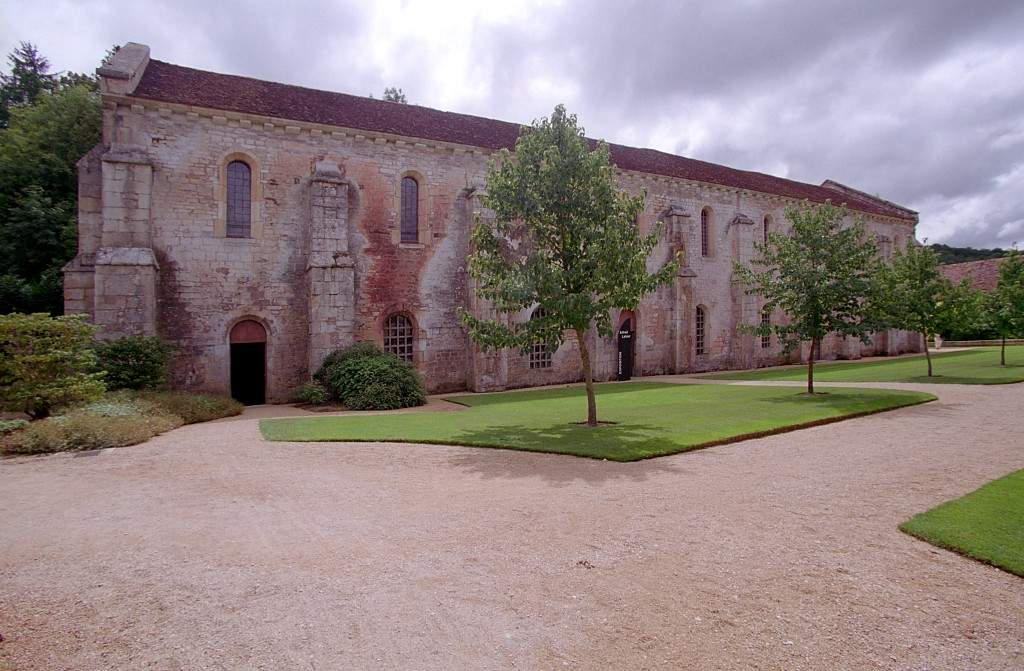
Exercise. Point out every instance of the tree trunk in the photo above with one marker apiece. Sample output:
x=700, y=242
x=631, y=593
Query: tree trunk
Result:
x=1002, y=352
x=810, y=366
x=927, y=355
x=588, y=377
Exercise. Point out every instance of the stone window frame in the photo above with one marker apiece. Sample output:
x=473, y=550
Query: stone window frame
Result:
x=540, y=354
x=766, y=320
x=422, y=225
x=707, y=219
x=384, y=336
x=700, y=330
x=220, y=226
x=766, y=224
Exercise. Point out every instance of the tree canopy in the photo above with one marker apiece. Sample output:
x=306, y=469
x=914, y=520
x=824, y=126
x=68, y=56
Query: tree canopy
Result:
x=822, y=275
x=563, y=237
x=1005, y=305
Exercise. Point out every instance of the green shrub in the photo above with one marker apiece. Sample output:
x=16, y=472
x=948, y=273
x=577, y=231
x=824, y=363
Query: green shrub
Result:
x=378, y=382
x=46, y=362
x=134, y=362
x=193, y=408
x=312, y=393
x=93, y=427
x=11, y=425
x=339, y=356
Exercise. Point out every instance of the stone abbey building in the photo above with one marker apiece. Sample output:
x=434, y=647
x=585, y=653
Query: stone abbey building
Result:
x=258, y=226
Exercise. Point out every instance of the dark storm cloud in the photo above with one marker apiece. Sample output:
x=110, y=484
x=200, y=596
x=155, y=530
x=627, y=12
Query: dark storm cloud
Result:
x=920, y=101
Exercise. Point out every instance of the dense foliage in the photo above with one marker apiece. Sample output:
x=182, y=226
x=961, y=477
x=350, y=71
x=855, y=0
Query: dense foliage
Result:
x=1005, y=305
x=362, y=377
x=563, y=237
x=134, y=362
x=915, y=296
x=822, y=275
x=948, y=254
x=47, y=123
x=311, y=393
x=45, y=362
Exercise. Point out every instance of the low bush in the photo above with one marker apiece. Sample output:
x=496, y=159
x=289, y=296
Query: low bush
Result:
x=357, y=351
x=11, y=425
x=312, y=393
x=193, y=408
x=134, y=362
x=376, y=382
x=116, y=420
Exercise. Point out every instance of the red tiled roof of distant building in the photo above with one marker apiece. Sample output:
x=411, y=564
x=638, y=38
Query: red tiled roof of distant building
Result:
x=983, y=275
x=198, y=88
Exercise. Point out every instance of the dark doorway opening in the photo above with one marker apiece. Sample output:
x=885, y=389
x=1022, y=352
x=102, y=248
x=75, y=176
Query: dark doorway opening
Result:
x=627, y=349
x=249, y=363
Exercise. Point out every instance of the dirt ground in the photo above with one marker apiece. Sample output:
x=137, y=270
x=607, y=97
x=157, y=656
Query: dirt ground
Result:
x=208, y=548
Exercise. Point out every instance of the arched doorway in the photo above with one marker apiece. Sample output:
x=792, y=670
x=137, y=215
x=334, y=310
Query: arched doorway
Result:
x=249, y=362
x=626, y=341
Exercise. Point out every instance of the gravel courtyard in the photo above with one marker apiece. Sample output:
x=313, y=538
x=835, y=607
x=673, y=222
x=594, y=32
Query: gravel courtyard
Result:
x=208, y=548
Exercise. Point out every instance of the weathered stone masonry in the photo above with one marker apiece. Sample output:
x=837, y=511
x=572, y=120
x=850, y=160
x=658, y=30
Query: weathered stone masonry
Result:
x=324, y=266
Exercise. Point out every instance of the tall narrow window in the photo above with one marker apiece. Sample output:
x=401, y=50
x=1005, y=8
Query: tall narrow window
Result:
x=767, y=226
x=705, y=225
x=540, y=354
x=698, y=331
x=239, y=200
x=398, y=337
x=766, y=321
x=410, y=210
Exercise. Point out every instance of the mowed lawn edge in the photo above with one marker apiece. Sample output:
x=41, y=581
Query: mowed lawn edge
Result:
x=651, y=419
x=985, y=525
x=979, y=365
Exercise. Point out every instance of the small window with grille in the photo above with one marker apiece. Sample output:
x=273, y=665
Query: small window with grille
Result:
x=699, y=327
x=766, y=339
x=705, y=232
x=540, y=353
x=398, y=337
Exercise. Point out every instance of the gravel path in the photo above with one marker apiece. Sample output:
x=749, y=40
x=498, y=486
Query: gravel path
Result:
x=207, y=548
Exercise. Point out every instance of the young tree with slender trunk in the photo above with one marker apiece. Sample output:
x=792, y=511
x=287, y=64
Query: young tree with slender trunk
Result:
x=563, y=237
x=822, y=274
x=915, y=296
x=1005, y=305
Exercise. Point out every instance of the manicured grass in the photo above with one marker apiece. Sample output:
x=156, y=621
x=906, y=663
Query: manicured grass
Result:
x=652, y=419
x=987, y=524
x=975, y=366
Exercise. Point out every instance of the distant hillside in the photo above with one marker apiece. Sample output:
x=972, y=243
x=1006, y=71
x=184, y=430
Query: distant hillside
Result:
x=949, y=254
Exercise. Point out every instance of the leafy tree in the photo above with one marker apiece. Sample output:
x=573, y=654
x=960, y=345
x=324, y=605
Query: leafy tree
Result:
x=29, y=77
x=948, y=254
x=38, y=194
x=45, y=362
x=563, y=237
x=915, y=295
x=822, y=275
x=394, y=95
x=1005, y=305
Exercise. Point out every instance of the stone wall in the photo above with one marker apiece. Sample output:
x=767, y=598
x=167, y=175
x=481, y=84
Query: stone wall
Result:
x=325, y=267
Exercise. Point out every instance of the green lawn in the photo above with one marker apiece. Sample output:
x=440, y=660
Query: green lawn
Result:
x=978, y=365
x=652, y=419
x=987, y=524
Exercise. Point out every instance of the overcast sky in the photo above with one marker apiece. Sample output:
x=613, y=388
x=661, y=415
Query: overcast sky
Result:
x=919, y=101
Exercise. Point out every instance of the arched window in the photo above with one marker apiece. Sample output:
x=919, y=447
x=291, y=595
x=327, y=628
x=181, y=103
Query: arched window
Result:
x=705, y=231
x=766, y=320
x=699, y=327
x=239, y=200
x=398, y=337
x=767, y=226
x=540, y=355
x=410, y=210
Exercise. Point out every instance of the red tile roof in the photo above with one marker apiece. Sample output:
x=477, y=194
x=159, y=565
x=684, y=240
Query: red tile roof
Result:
x=983, y=274
x=186, y=86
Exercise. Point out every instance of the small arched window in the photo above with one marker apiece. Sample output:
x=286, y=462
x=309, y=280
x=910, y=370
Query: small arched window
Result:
x=398, y=337
x=705, y=232
x=699, y=327
x=239, y=200
x=767, y=228
x=410, y=210
x=540, y=354
x=766, y=321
